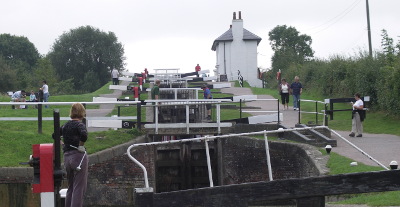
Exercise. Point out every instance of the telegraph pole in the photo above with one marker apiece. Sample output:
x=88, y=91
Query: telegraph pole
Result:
x=369, y=31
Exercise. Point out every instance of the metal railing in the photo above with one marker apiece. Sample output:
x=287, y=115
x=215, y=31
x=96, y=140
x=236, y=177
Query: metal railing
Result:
x=208, y=138
x=187, y=103
x=255, y=111
x=316, y=112
x=40, y=106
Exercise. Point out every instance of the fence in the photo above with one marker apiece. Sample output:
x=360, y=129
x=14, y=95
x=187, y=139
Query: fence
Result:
x=316, y=111
x=40, y=117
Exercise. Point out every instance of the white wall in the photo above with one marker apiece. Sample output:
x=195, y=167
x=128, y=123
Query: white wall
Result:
x=239, y=55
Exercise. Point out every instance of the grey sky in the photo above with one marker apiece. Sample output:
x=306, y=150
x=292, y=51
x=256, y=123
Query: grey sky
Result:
x=180, y=33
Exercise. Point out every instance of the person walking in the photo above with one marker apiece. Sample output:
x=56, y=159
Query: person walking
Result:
x=197, y=69
x=296, y=89
x=76, y=161
x=284, y=89
x=46, y=94
x=358, y=116
x=114, y=76
x=207, y=95
x=155, y=95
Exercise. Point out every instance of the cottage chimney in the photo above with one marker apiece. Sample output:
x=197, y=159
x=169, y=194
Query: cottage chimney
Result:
x=237, y=27
x=234, y=15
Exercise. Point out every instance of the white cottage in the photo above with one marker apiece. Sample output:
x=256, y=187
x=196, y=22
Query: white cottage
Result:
x=236, y=50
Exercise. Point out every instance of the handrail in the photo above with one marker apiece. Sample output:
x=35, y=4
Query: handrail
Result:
x=208, y=138
x=314, y=112
x=266, y=99
x=39, y=104
x=69, y=103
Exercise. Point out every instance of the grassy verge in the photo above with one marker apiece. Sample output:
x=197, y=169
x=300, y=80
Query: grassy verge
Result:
x=17, y=137
x=342, y=120
x=340, y=165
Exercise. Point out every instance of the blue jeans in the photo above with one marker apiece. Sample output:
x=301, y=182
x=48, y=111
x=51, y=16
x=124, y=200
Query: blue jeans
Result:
x=296, y=98
x=46, y=99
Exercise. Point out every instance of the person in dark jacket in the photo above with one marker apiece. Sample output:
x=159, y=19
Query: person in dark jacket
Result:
x=296, y=89
x=76, y=161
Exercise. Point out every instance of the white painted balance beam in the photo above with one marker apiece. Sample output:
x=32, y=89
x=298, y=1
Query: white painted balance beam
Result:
x=203, y=71
x=210, y=78
x=265, y=118
x=125, y=79
x=67, y=118
x=118, y=87
x=103, y=99
x=222, y=85
x=244, y=97
x=184, y=125
x=127, y=73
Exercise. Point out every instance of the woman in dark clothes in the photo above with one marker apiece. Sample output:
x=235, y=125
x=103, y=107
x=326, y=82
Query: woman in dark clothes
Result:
x=76, y=161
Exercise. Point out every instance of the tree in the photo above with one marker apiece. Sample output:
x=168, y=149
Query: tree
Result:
x=21, y=56
x=388, y=48
x=289, y=47
x=43, y=70
x=85, y=51
x=16, y=49
x=7, y=77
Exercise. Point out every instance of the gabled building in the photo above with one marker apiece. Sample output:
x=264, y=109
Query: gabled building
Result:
x=236, y=51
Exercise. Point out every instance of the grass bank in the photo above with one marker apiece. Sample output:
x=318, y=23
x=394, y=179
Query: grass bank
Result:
x=17, y=137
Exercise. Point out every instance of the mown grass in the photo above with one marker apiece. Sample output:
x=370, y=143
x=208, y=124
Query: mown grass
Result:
x=340, y=165
x=17, y=137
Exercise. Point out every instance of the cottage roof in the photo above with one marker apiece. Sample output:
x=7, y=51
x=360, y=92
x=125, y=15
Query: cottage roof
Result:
x=227, y=36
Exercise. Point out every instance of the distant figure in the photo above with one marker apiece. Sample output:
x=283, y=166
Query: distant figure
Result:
x=197, y=69
x=155, y=95
x=18, y=96
x=114, y=76
x=32, y=97
x=46, y=94
x=155, y=91
x=284, y=89
x=296, y=89
x=358, y=116
x=207, y=95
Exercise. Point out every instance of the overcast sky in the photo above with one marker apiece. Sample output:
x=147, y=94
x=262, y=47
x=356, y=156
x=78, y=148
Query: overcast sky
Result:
x=179, y=33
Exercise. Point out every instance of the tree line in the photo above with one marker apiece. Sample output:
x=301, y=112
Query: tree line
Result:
x=79, y=61
x=339, y=75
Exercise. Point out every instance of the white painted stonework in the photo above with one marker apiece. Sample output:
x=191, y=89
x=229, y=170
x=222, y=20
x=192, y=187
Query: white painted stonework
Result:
x=236, y=50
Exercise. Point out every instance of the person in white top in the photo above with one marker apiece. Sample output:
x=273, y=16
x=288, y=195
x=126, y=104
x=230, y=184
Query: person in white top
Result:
x=114, y=76
x=284, y=89
x=46, y=94
x=358, y=117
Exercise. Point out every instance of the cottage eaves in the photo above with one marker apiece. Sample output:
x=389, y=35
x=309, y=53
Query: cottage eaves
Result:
x=227, y=36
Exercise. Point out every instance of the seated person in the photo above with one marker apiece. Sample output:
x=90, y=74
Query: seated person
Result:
x=19, y=96
x=32, y=97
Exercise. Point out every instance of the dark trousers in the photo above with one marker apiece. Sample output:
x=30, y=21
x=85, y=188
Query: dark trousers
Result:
x=77, y=179
x=115, y=81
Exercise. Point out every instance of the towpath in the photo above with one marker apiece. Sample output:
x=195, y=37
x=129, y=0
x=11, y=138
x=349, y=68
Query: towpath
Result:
x=382, y=147
x=104, y=109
